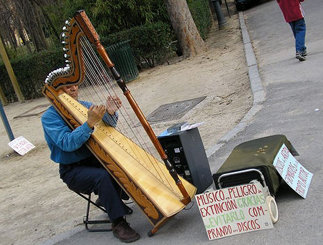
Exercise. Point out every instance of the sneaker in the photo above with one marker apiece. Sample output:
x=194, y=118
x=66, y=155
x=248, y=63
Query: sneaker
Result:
x=300, y=56
x=124, y=232
x=304, y=53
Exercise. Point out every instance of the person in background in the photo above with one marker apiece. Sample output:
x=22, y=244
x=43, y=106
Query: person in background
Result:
x=78, y=168
x=294, y=15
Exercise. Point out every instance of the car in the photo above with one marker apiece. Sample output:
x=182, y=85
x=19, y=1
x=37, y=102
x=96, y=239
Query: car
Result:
x=245, y=4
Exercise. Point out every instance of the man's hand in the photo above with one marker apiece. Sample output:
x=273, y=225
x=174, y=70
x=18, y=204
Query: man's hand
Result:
x=95, y=114
x=113, y=104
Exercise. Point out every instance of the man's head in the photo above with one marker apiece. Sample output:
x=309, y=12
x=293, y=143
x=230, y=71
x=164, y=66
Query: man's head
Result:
x=71, y=90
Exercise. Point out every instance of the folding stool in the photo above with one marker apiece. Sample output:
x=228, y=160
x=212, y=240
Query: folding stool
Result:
x=86, y=219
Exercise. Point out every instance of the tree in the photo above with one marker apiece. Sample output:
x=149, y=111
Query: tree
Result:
x=33, y=22
x=6, y=24
x=21, y=18
x=116, y=15
x=185, y=29
x=40, y=4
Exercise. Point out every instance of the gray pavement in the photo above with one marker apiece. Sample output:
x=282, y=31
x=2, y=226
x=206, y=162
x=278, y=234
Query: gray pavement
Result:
x=287, y=94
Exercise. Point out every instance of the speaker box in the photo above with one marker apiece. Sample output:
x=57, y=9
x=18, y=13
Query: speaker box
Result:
x=186, y=152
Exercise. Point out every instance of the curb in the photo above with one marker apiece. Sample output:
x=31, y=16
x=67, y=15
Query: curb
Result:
x=256, y=88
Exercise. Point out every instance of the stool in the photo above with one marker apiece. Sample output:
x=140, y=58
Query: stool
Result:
x=86, y=219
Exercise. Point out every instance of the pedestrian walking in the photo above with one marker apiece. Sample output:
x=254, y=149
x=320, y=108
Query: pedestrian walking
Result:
x=294, y=15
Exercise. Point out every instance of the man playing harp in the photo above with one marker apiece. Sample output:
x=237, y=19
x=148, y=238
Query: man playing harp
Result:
x=78, y=168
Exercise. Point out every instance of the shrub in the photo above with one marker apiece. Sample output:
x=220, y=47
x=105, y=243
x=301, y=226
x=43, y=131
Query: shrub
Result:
x=201, y=14
x=150, y=42
x=31, y=72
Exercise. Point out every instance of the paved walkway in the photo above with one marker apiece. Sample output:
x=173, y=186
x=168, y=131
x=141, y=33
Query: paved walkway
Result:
x=293, y=106
x=287, y=100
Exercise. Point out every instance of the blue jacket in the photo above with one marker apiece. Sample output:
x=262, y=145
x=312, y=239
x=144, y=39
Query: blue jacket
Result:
x=67, y=145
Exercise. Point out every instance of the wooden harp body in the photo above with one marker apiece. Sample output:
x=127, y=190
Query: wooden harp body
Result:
x=142, y=178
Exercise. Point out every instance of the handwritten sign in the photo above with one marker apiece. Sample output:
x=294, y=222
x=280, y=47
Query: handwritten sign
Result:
x=234, y=210
x=21, y=145
x=294, y=174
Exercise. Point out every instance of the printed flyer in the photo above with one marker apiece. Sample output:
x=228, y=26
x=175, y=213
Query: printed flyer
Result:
x=21, y=145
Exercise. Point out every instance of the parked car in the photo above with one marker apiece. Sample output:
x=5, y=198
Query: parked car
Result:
x=245, y=4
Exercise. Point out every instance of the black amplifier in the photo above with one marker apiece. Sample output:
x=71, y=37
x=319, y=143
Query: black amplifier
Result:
x=186, y=152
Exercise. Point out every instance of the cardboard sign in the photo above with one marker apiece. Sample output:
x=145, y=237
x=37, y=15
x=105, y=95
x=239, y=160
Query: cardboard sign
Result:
x=234, y=210
x=294, y=174
x=21, y=145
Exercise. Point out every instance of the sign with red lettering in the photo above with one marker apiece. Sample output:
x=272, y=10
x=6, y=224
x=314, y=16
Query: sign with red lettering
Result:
x=294, y=174
x=234, y=210
x=21, y=145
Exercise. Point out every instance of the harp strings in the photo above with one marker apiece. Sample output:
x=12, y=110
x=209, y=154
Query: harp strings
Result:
x=98, y=83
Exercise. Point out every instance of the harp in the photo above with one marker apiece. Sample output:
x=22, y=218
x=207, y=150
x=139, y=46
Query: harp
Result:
x=153, y=184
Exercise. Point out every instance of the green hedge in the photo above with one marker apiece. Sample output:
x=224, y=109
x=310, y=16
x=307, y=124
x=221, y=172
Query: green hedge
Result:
x=150, y=42
x=31, y=72
x=201, y=14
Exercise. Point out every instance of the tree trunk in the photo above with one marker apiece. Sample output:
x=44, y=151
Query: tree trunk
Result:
x=50, y=23
x=185, y=29
x=23, y=37
x=30, y=19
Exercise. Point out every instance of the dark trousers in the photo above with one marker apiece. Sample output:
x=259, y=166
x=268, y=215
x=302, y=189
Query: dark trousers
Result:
x=88, y=176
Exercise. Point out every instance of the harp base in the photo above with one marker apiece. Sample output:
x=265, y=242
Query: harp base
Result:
x=156, y=227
